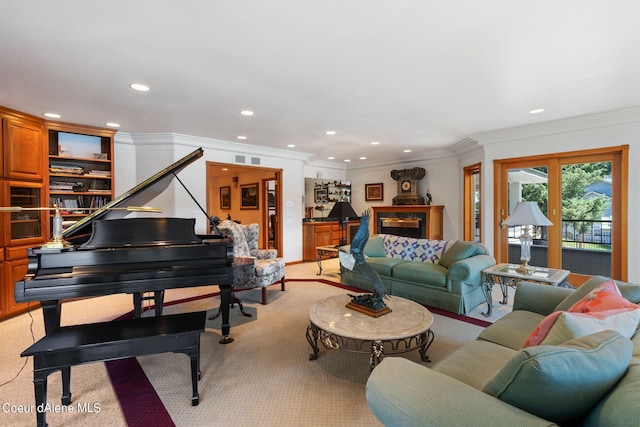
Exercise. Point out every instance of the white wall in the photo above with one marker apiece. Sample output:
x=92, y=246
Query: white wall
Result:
x=442, y=179
x=147, y=154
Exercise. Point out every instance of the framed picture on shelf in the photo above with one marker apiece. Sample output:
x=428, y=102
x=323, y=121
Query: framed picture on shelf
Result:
x=373, y=192
x=249, y=196
x=320, y=195
x=225, y=197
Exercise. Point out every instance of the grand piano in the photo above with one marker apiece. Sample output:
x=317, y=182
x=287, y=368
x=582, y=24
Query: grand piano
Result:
x=108, y=254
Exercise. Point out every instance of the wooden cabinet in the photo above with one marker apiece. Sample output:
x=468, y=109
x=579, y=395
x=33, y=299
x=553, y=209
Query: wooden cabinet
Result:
x=22, y=175
x=13, y=271
x=80, y=168
x=323, y=233
x=23, y=148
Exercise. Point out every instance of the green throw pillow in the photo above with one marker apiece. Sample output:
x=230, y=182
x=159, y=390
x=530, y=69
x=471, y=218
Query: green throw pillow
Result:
x=459, y=250
x=375, y=246
x=562, y=383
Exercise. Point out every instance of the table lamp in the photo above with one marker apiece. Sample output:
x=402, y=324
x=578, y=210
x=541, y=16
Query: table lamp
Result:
x=344, y=211
x=526, y=214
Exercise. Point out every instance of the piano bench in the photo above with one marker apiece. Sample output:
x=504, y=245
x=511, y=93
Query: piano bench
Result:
x=95, y=342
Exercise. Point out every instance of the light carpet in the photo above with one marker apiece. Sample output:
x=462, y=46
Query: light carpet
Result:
x=263, y=378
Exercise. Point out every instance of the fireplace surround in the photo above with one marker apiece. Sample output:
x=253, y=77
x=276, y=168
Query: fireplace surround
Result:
x=418, y=221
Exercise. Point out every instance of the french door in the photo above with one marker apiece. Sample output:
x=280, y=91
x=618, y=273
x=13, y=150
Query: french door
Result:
x=584, y=195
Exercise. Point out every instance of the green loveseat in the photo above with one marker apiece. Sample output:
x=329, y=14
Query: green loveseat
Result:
x=589, y=380
x=445, y=274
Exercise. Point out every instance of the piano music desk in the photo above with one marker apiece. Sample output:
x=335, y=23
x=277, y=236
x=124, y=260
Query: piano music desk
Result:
x=79, y=344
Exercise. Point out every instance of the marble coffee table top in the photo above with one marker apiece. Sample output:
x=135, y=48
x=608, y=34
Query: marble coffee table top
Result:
x=406, y=319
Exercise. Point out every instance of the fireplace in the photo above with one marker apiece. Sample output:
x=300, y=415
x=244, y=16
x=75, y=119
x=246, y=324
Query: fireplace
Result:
x=407, y=227
x=420, y=221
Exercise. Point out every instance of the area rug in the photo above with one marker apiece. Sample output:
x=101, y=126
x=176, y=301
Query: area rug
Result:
x=265, y=376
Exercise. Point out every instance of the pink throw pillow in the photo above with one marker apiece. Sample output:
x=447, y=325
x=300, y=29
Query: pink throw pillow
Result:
x=601, y=309
x=605, y=297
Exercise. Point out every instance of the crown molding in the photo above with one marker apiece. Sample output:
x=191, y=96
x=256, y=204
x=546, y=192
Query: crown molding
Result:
x=158, y=139
x=464, y=146
x=571, y=124
x=424, y=156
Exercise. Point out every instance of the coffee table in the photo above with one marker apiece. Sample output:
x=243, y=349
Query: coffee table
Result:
x=337, y=327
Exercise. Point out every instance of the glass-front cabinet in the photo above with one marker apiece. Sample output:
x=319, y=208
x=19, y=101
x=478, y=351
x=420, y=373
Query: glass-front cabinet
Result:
x=23, y=227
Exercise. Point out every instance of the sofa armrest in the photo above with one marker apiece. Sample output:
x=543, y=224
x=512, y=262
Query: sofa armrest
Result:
x=470, y=269
x=404, y=393
x=538, y=298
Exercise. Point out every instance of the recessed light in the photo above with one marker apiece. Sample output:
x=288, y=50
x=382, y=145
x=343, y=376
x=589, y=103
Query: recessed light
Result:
x=374, y=143
x=331, y=158
x=241, y=137
x=363, y=158
x=536, y=111
x=225, y=169
x=347, y=160
x=113, y=124
x=139, y=87
x=52, y=115
x=330, y=132
x=291, y=145
x=407, y=151
x=246, y=113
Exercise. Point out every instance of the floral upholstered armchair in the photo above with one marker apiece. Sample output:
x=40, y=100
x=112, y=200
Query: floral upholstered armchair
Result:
x=252, y=267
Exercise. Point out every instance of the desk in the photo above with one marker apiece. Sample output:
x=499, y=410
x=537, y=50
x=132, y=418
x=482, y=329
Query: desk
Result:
x=406, y=328
x=507, y=275
x=331, y=251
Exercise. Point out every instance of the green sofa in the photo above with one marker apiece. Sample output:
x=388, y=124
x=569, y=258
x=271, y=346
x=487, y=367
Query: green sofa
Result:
x=445, y=274
x=589, y=380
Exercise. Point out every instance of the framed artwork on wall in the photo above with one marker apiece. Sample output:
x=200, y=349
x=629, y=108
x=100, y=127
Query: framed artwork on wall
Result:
x=373, y=192
x=249, y=196
x=225, y=197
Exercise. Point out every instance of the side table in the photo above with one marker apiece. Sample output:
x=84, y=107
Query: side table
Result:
x=507, y=275
x=331, y=251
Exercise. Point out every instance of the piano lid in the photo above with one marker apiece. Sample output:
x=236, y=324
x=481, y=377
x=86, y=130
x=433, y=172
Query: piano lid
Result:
x=139, y=195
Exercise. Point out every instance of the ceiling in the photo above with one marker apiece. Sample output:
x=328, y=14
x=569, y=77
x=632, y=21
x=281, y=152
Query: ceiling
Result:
x=410, y=74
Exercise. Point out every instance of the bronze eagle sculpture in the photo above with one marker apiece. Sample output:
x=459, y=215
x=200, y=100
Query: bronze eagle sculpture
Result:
x=358, y=262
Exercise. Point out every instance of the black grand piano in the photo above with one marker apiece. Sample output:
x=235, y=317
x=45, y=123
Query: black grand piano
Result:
x=109, y=254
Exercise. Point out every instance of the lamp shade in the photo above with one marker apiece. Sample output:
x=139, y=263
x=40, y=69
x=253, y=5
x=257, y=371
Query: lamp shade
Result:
x=527, y=213
x=342, y=210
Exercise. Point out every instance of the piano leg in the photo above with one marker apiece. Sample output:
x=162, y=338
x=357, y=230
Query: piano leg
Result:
x=225, y=303
x=51, y=311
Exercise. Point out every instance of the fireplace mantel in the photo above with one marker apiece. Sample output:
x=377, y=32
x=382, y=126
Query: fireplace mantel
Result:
x=430, y=216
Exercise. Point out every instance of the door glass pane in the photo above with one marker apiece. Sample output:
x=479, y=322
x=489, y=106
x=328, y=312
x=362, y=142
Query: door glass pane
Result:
x=475, y=184
x=586, y=218
x=528, y=185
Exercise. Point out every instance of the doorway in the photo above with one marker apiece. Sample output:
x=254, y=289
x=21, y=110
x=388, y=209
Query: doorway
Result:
x=584, y=195
x=226, y=184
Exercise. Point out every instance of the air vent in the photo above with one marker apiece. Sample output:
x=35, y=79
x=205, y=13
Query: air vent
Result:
x=240, y=159
x=255, y=160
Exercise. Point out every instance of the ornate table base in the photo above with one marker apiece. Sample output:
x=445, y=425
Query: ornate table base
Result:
x=376, y=349
x=337, y=327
